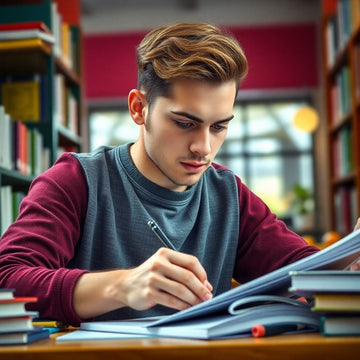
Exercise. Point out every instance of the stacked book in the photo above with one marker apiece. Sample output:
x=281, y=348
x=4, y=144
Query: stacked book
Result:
x=19, y=32
x=335, y=296
x=16, y=326
x=22, y=145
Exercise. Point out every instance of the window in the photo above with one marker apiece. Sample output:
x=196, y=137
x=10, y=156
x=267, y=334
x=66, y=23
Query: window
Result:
x=268, y=153
x=111, y=127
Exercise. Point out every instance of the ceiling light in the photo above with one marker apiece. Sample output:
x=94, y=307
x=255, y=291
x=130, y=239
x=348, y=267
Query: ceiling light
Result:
x=306, y=119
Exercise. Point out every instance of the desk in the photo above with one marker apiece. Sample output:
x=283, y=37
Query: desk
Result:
x=282, y=347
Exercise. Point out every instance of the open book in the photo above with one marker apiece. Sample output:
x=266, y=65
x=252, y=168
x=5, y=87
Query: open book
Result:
x=240, y=319
x=337, y=256
x=208, y=319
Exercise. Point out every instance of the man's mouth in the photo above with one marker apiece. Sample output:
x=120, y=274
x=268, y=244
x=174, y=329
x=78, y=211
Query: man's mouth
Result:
x=194, y=166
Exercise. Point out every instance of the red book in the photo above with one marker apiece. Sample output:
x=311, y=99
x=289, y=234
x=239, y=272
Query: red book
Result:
x=27, y=25
x=15, y=307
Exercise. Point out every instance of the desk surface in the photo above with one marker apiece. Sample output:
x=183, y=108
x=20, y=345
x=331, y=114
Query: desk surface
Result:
x=282, y=347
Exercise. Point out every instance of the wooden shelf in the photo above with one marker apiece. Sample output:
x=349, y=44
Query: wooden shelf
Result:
x=14, y=178
x=67, y=138
x=59, y=89
x=342, y=85
x=24, y=59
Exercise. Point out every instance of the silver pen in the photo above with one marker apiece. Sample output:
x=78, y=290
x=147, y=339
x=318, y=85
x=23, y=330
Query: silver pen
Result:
x=160, y=235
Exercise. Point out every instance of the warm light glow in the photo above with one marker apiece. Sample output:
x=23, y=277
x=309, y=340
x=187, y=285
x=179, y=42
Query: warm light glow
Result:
x=306, y=119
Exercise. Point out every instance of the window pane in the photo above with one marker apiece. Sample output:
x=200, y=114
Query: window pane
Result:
x=111, y=128
x=274, y=121
x=266, y=180
x=268, y=153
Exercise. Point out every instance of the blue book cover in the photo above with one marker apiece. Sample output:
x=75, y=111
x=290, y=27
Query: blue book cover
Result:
x=24, y=337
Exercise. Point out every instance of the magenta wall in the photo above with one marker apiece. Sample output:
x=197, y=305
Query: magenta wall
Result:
x=281, y=56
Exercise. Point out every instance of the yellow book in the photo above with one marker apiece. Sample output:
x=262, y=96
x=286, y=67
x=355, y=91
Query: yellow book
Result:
x=21, y=100
x=66, y=43
x=24, y=44
x=49, y=323
x=340, y=302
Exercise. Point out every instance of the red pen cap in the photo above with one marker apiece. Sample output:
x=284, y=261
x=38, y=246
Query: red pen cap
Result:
x=258, y=331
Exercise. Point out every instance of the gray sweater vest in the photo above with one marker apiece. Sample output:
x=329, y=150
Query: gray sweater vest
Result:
x=203, y=220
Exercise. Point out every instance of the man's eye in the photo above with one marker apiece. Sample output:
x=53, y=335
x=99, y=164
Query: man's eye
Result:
x=184, y=125
x=218, y=127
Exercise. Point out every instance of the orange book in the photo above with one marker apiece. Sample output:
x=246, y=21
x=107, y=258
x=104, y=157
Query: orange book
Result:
x=21, y=152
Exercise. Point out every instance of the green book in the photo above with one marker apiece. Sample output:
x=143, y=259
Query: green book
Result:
x=348, y=325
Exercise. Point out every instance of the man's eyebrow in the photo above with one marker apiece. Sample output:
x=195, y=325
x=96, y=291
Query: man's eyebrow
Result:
x=197, y=119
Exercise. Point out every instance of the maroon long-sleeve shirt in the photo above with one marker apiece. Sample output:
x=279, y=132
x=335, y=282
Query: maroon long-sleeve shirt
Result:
x=36, y=249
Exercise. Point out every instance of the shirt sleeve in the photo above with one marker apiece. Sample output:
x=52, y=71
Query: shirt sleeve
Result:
x=265, y=243
x=36, y=248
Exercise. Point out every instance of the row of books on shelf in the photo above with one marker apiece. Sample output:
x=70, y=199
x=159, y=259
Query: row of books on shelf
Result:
x=22, y=147
x=63, y=38
x=341, y=101
x=335, y=296
x=16, y=323
x=10, y=202
x=343, y=154
x=26, y=98
x=346, y=209
x=66, y=42
x=357, y=71
x=340, y=26
x=65, y=105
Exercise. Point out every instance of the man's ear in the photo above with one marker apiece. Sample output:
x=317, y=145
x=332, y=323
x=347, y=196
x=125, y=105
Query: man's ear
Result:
x=137, y=106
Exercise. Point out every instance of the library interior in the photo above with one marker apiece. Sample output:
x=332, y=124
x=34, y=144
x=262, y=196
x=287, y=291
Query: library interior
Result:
x=66, y=69
x=299, y=76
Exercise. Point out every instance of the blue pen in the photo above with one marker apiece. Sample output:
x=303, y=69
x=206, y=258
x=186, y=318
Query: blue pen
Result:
x=268, y=330
x=160, y=235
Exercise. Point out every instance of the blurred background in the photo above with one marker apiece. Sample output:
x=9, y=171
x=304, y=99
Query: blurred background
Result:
x=295, y=138
x=281, y=39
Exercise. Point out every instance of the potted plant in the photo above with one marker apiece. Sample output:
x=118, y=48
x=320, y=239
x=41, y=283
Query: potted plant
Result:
x=302, y=206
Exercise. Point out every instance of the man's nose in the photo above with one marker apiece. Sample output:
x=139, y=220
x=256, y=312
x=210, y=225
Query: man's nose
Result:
x=201, y=143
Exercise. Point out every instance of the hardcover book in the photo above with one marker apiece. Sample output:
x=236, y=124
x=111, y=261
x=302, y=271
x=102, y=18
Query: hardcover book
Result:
x=6, y=294
x=239, y=320
x=340, y=325
x=21, y=100
x=23, y=337
x=26, y=25
x=15, y=307
x=16, y=324
x=336, y=256
x=27, y=34
x=325, y=281
x=346, y=303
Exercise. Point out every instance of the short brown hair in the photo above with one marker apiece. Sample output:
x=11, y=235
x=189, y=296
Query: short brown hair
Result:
x=193, y=51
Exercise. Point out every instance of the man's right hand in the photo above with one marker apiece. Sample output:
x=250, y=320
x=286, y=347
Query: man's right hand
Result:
x=168, y=278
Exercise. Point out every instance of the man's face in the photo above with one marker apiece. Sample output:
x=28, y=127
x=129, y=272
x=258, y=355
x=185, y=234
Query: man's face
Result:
x=182, y=134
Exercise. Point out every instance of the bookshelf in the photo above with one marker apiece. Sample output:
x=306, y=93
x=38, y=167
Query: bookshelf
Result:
x=41, y=93
x=341, y=35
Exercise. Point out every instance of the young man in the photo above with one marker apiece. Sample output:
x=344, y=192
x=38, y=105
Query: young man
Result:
x=82, y=243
